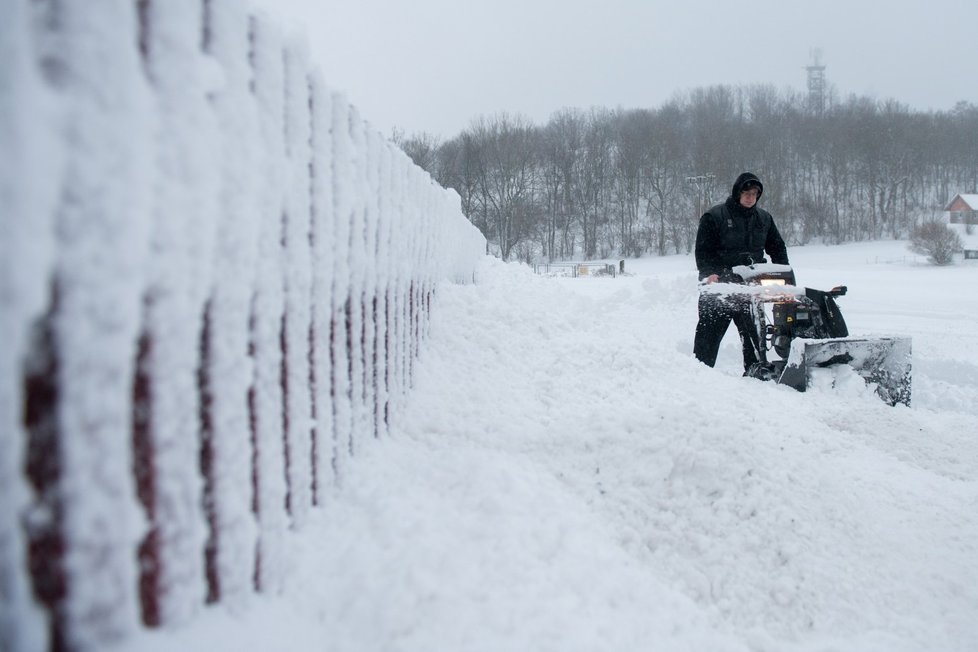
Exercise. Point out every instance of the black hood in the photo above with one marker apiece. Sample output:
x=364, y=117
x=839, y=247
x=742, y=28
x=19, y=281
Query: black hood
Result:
x=746, y=178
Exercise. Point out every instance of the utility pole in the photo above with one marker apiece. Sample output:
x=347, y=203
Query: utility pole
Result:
x=702, y=185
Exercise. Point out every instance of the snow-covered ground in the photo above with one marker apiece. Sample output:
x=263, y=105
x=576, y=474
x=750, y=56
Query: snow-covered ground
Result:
x=567, y=477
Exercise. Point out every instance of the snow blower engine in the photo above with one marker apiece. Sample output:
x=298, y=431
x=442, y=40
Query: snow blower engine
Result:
x=801, y=332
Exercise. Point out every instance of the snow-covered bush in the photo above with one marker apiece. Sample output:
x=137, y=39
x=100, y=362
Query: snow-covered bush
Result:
x=937, y=241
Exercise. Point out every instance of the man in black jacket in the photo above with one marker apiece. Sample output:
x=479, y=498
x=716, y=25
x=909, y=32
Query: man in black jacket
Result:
x=735, y=232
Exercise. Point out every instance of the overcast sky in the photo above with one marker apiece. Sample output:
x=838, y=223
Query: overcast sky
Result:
x=435, y=65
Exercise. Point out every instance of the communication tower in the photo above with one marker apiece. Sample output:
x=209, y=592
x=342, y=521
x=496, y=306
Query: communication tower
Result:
x=816, y=82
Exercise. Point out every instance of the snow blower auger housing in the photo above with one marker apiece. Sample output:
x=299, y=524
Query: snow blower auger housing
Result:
x=801, y=332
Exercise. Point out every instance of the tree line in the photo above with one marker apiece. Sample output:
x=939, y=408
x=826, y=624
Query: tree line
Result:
x=599, y=183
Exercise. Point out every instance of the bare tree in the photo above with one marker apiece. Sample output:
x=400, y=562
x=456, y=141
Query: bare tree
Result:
x=937, y=241
x=592, y=173
x=422, y=148
x=599, y=182
x=633, y=142
x=507, y=177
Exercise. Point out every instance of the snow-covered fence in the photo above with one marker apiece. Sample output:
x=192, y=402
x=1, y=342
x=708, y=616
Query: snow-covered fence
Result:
x=215, y=279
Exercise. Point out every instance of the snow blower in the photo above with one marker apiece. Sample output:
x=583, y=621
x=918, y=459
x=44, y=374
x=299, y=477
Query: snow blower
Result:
x=801, y=332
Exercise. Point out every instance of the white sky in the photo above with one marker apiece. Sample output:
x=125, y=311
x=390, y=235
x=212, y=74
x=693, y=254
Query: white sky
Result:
x=434, y=65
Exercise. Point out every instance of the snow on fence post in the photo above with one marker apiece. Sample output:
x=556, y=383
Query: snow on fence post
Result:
x=266, y=402
x=395, y=265
x=421, y=265
x=323, y=238
x=358, y=262
x=389, y=267
x=429, y=261
x=29, y=177
x=86, y=522
x=404, y=271
x=165, y=426
x=371, y=179
x=415, y=243
x=382, y=294
x=296, y=233
x=425, y=262
x=404, y=274
x=470, y=239
x=225, y=368
x=340, y=324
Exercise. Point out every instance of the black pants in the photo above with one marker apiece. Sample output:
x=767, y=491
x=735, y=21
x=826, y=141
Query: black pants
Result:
x=716, y=312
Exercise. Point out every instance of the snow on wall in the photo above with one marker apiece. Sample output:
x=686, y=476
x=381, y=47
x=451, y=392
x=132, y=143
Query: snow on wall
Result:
x=298, y=287
x=322, y=212
x=216, y=277
x=90, y=59
x=225, y=372
x=267, y=311
x=183, y=232
x=30, y=162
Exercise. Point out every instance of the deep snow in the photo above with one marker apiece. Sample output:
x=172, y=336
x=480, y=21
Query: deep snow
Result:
x=565, y=476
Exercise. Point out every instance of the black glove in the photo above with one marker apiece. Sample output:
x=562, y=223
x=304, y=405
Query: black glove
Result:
x=727, y=276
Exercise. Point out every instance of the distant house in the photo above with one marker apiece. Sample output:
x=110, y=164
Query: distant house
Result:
x=963, y=217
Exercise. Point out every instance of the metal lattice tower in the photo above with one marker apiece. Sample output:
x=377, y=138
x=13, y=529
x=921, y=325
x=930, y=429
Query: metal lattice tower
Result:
x=816, y=82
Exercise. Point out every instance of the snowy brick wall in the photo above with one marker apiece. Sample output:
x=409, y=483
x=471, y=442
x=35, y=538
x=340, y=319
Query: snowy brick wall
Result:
x=215, y=279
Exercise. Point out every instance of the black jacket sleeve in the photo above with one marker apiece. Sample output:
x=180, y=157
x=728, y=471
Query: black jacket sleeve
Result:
x=775, y=247
x=708, y=247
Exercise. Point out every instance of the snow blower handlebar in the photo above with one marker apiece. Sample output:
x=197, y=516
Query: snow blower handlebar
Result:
x=765, y=274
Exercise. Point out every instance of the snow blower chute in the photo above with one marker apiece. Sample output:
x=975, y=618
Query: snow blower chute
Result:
x=801, y=332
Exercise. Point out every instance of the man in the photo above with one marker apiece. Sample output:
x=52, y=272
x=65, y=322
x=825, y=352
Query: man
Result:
x=735, y=232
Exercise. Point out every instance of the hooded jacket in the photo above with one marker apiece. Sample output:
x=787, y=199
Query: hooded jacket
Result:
x=730, y=235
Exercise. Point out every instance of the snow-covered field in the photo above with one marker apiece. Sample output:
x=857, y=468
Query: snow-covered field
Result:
x=568, y=477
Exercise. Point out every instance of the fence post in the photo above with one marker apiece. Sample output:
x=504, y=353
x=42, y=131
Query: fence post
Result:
x=102, y=222
x=340, y=323
x=183, y=226
x=28, y=193
x=225, y=367
x=358, y=263
x=298, y=287
x=266, y=401
x=323, y=218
